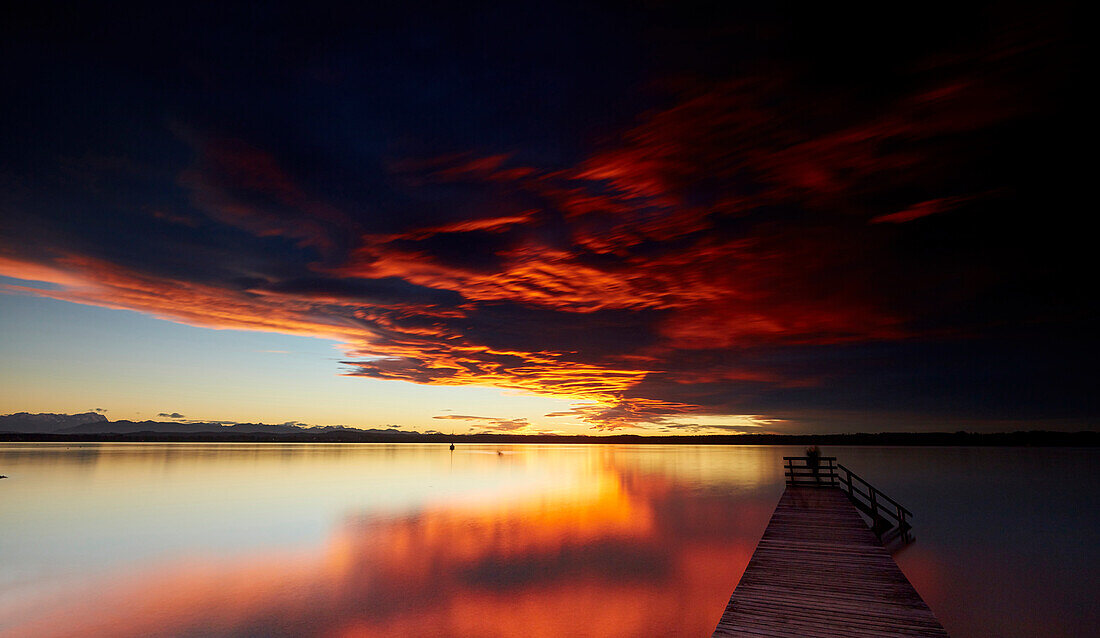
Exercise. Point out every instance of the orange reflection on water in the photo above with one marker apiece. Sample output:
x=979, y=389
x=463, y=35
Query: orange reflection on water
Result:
x=617, y=554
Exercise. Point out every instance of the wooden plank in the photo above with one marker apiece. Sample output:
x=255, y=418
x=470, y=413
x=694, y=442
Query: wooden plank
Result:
x=818, y=570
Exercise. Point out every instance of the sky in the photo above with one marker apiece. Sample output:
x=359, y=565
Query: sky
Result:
x=656, y=217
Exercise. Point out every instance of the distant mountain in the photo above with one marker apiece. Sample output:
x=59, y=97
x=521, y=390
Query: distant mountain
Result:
x=129, y=427
x=91, y=423
x=47, y=423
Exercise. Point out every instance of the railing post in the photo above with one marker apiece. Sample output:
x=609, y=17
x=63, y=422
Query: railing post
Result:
x=884, y=515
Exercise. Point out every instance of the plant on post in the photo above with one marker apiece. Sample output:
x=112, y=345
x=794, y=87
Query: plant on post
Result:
x=813, y=461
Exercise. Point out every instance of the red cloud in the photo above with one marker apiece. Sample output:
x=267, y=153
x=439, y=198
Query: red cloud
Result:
x=923, y=209
x=246, y=187
x=734, y=219
x=96, y=282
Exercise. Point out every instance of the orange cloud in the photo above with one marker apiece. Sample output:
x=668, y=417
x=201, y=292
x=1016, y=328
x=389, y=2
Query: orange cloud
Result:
x=726, y=222
x=104, y=284
x=489, y=422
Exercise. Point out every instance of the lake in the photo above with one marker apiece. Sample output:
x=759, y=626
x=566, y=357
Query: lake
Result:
x=152, y=539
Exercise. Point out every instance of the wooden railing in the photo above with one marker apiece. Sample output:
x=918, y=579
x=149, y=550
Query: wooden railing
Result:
x=801, y=471
x=889, y=519
x=880, y=507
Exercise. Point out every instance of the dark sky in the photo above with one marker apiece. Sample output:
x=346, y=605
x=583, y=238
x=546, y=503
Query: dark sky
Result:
x=844, y=218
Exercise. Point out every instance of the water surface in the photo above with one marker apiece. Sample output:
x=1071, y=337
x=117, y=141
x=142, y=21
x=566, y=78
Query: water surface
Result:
x=539, y=540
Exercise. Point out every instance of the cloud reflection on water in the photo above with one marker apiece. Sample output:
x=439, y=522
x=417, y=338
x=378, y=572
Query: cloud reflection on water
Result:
x=622, y=552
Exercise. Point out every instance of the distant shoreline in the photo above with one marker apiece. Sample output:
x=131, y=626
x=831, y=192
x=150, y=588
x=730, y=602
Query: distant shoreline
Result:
x=1033, y=438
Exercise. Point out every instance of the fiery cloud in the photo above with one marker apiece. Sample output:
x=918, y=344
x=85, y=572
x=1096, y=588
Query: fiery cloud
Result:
x=489, y=422
x=758, y=239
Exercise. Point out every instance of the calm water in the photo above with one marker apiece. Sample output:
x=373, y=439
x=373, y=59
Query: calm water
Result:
x=542, y=540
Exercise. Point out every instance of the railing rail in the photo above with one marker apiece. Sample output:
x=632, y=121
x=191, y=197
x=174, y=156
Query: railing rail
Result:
x=889, y=518
x=872, y=501
x=802, y=471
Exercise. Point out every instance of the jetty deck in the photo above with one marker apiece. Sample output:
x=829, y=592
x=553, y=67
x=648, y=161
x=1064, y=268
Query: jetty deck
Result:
x=819, y=570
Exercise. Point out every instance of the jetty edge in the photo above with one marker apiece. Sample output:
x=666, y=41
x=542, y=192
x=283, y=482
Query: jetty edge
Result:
x=820, y=571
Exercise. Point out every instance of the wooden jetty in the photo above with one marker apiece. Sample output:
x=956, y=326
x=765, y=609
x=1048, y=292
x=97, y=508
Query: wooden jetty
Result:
x=819, y=570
